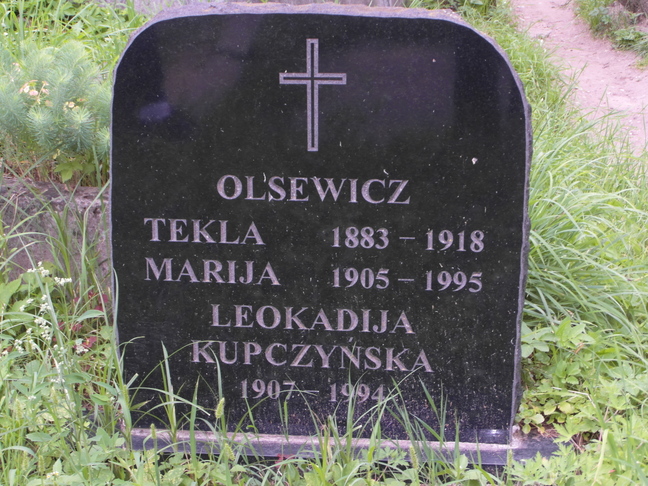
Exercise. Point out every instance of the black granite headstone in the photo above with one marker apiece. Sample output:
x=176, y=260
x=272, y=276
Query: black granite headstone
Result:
x=313, y=203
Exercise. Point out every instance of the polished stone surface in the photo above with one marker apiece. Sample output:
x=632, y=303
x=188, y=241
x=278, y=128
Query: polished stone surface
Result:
x=304, y=198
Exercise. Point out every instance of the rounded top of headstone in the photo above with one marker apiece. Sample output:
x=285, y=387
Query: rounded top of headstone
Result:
x=333, y=9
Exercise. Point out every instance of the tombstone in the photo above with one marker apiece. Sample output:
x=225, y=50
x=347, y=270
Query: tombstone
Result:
x=312, y=204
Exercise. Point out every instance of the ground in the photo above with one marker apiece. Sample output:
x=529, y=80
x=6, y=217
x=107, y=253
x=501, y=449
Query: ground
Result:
x=608, y=80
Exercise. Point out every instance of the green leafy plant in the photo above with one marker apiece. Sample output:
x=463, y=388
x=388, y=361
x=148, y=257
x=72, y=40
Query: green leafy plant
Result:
x=628, y=37
x=56, y=59
x=52, y=351
x=616, y=21
x=599, y=17
x=54, y=102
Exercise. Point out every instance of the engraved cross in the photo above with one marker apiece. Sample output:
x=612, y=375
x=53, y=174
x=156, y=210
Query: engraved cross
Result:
x=312, y=78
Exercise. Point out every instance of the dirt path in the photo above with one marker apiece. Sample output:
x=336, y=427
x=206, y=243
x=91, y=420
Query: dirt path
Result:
x=608, y=79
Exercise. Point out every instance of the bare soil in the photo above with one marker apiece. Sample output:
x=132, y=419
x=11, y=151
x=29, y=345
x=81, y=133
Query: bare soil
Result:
x=608, y=80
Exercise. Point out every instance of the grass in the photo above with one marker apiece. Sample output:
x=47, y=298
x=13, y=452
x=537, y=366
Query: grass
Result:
x=584, y=332
x=65, y=411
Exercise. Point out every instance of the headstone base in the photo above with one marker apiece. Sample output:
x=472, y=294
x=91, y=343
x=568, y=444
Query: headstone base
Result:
x=521, y=448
